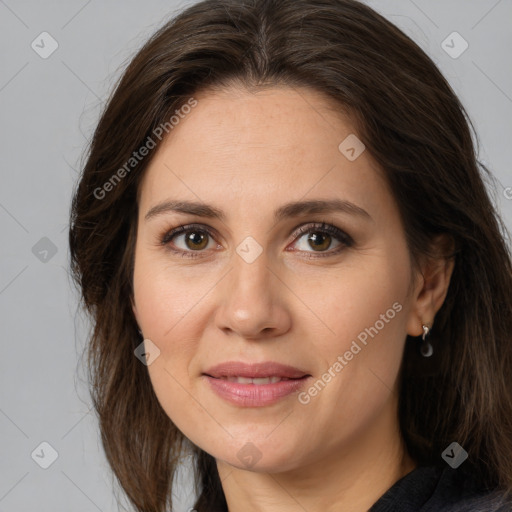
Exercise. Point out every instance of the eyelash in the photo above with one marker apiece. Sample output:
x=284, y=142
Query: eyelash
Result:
x=344, y=239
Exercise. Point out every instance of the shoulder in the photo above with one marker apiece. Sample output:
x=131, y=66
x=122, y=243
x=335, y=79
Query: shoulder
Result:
x=456, y=491
x=441, y=489
x=487, y=502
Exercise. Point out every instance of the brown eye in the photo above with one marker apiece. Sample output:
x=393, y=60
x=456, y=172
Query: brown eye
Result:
x=318, y=240
x=196, y=240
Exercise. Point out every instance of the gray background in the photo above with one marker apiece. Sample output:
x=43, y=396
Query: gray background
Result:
x=49, y=109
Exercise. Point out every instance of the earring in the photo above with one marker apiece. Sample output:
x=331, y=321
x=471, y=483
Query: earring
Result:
x=426, y=348
x=140, y=332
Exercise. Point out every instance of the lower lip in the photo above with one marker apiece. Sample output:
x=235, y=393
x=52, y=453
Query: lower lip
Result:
x=253, y=395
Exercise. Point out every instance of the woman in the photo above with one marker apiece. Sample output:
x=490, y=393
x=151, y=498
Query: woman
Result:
x=294, y=270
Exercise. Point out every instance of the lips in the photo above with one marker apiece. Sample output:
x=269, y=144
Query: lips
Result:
x=256, y=372
x=250, y=395
x=254, y=385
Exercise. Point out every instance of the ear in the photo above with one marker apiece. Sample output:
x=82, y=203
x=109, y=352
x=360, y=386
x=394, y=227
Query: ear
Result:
x=431, y=285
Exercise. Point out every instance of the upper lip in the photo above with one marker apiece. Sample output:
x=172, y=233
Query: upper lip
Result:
x=254, y=370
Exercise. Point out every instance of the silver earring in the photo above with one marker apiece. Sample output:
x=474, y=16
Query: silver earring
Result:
x=426, y=348
x=140, y=332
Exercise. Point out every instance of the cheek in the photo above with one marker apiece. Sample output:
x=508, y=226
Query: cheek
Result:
x=365, y=308
x=363, y=303
x=164, y=296
x=167, y=310
x=175, y=394
x=167, y=304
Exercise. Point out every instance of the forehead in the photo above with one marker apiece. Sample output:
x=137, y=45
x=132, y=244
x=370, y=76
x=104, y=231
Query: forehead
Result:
x=256, y=145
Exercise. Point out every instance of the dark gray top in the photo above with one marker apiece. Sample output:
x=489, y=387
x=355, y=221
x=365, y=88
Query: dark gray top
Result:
x=439, y=489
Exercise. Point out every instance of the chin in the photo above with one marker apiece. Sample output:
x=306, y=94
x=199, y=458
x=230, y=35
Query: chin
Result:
x=257, y=455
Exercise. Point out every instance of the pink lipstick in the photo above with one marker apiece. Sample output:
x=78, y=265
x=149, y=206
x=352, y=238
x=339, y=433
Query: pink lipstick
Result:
x=254, y=385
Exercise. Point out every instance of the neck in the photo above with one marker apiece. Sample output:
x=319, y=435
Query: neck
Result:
x=353, y=477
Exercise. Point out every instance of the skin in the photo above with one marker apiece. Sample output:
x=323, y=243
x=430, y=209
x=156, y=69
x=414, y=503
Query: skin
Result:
x=247, y=153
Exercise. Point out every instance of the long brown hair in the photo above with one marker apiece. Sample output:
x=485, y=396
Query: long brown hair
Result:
x=413, y=125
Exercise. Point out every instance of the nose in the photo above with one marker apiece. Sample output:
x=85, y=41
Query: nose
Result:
x=252, y=301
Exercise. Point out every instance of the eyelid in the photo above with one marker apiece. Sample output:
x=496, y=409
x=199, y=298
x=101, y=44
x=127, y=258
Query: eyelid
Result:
x=170, y=233
x=323, y=226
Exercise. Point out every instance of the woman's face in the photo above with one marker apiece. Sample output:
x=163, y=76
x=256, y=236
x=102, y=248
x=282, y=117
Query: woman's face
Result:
x=246, y=287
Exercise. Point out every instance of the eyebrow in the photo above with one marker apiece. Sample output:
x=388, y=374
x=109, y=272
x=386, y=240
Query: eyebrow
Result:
x=288, y=210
